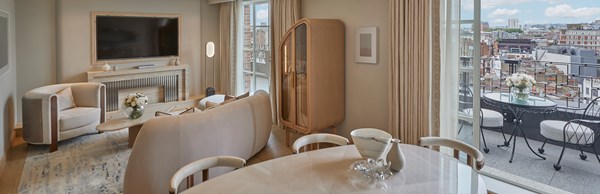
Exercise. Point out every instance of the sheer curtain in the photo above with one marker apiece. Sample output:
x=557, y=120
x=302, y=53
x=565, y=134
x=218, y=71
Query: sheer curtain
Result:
x=414, y=69
x=449, y=34
x=227, y=39
x=284, y=14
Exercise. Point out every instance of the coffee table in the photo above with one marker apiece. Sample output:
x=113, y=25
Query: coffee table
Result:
x=134, y=125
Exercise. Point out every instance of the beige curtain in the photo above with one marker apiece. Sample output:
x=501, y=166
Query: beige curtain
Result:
x=284, y=14
x=227, y=39
x=414, y=69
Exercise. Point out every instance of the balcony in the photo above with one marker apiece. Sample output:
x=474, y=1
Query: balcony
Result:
x=572, y=86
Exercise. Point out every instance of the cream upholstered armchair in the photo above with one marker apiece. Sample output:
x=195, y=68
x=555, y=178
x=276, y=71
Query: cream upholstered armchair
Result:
x=62, y=111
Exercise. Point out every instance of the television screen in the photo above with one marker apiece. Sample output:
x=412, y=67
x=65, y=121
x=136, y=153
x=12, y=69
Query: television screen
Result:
x=125, y=37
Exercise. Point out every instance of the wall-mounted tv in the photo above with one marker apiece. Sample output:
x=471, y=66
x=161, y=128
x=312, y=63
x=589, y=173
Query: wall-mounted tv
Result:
x=122, y=37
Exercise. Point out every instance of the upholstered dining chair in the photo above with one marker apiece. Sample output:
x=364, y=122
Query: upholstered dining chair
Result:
x=489, y=119
x=473, y=154
x=203, y=165
x=58, y=112
x=317, y=138
x=582, y=132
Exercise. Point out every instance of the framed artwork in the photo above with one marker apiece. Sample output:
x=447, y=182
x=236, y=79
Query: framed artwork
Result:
x=366, y=45
x=4, y=25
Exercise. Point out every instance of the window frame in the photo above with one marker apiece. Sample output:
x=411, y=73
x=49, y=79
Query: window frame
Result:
x=240, y=71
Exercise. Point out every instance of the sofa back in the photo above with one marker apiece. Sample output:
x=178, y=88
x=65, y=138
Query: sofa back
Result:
x=165, y=144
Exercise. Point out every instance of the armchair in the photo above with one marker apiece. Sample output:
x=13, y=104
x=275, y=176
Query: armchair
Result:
x=45, y=123
x=583, y=132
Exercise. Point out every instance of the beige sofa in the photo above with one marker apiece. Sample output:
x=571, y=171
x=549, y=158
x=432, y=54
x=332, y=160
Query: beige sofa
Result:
x=165, y=144
x=45, y=123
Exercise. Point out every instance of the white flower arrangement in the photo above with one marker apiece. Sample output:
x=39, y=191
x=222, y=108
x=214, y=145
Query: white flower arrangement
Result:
x=135, y=100
x=520, y=81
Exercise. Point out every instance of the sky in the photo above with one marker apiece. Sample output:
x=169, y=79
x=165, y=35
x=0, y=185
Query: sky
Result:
x=497, y=12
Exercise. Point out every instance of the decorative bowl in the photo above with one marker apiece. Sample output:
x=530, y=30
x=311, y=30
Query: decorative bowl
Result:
x=371, y=142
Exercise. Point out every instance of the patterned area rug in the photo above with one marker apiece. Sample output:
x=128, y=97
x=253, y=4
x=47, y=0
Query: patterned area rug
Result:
x=88, y=164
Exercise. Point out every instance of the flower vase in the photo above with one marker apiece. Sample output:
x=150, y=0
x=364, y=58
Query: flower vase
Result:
x=134, y=112
x=395, y=156
x=520, y=93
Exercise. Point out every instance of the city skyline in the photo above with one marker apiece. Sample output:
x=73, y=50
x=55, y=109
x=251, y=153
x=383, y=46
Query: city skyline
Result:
x=498, y=12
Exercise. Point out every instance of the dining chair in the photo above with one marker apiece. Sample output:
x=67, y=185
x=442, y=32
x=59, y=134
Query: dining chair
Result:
x=489, y=119
x=203, y=165
x=318, y=138
x=472, y=152
x=582, y=132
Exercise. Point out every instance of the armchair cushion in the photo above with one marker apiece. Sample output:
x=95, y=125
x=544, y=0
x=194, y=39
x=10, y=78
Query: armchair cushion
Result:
x=77, y=117
x=65, y=99
x=554, y=130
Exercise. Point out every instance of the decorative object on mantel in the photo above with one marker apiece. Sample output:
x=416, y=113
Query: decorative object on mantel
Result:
x=106, y=66
x=371, y=142
x=395, y=156
x=134, y=105
x=366, y=45
x=520, y=85
x=177, y=61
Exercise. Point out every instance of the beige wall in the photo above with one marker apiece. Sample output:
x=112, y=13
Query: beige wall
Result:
x=56, y=36
x=8, y=83
x=366, y=84
x=37, y=49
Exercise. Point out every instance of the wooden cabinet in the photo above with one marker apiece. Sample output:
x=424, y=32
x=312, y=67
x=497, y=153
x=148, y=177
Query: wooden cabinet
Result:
x=311, y=81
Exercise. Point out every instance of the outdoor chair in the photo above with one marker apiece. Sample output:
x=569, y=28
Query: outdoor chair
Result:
x=489, y=119
x=581, y=132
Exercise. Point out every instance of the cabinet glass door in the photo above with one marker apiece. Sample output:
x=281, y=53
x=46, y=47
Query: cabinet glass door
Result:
x=287, y=80
x=301, y=77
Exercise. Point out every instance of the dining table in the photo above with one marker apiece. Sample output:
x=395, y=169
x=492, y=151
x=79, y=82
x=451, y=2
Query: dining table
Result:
x=327, y=171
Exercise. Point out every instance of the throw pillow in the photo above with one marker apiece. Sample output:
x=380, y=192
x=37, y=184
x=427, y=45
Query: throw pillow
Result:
x=243, y=95
x=186, y=111
x=65, y=99
x=211, y=105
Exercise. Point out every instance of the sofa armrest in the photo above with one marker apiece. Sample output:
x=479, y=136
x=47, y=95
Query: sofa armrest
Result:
x=40, y=117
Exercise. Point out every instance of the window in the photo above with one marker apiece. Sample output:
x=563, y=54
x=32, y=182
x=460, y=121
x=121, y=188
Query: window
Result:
x=254, y=62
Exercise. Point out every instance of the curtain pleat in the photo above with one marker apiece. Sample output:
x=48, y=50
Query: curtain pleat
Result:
x=284, y=14
x=411, y=70
x=227, y=48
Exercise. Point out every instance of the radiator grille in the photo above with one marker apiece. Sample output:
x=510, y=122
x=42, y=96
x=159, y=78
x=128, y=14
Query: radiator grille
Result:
x=170, y=84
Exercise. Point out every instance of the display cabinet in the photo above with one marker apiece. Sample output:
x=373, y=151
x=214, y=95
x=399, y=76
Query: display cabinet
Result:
x=311, y=81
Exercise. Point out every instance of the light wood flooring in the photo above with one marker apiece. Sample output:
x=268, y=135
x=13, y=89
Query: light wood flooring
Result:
x=15, y=157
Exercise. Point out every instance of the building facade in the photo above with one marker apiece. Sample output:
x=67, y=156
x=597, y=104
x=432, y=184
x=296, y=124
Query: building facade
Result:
x=586, y=39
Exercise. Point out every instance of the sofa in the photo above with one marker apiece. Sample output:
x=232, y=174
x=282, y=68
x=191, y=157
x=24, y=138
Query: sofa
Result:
x=47, y=118
x=240, y=128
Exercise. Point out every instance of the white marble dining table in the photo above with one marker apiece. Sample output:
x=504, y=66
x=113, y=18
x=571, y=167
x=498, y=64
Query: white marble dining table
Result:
x=326, y=171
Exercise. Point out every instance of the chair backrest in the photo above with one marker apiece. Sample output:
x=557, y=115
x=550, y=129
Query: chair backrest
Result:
x=318, y=138
x=472, y=152
x=465, y=96
x=203, y=165
x=592, y=111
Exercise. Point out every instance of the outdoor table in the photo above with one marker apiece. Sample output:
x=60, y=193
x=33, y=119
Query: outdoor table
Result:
x=518, y=108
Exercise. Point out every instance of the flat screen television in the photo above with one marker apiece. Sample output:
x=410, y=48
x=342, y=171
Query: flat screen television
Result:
x=134, y=37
